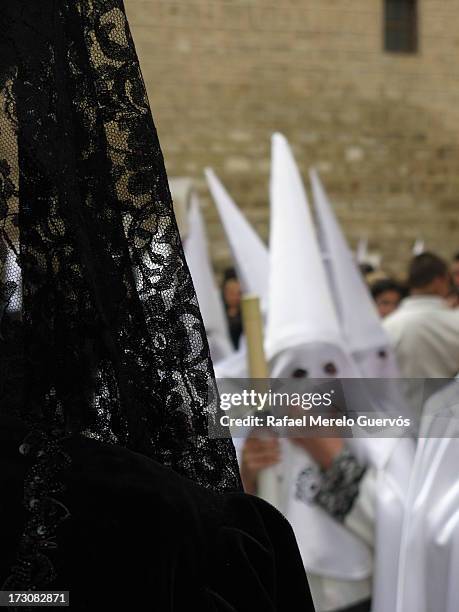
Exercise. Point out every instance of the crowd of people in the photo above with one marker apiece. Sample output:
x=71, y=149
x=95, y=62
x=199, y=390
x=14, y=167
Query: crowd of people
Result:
x=350, y=502
x=387, y=291
x=429, y=287
x=421, y=317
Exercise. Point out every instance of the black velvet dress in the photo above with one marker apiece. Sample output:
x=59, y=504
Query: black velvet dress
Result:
x=141, y=537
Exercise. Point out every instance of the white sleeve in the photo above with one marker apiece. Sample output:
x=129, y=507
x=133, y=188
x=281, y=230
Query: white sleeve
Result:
x=361, y=518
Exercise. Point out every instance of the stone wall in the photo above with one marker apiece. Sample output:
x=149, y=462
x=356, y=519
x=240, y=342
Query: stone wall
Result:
x=382, y=128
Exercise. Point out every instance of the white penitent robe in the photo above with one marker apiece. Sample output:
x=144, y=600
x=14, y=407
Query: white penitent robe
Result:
x=391, y=458
x=392, y=480
x=429, y=557
x=337, y=556
x=424, y=332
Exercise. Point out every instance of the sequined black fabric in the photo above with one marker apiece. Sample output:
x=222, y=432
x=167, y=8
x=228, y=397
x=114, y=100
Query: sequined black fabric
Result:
x=100, y=330
x=142, y=537
x=44, y=484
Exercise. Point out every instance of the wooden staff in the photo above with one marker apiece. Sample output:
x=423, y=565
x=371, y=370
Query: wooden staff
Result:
x=268, y=483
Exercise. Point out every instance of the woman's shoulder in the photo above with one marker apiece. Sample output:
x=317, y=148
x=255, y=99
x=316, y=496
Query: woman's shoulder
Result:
x=137, y=485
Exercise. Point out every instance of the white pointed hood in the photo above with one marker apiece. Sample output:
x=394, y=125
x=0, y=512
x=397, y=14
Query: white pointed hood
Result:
x=182, y=188
x=419, y=247
x=357, y=312
x=210, y=303
x=250, y=255
x=300, y=306
x=361, y=253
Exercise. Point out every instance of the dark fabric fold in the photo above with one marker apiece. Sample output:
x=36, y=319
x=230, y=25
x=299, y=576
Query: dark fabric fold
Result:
x=142, y=537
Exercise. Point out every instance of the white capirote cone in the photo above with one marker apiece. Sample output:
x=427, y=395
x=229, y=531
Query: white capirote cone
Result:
x=250, y=254
x=210, y=302
x=360, y=322
x=419, y=247
x=182, y=189
x=300, y=309
x=361, y=253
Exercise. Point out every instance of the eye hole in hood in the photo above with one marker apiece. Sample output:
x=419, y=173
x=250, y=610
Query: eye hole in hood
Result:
x=299, y=373
x=330, y=368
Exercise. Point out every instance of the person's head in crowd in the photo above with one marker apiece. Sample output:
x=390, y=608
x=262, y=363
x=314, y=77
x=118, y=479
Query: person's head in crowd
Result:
x=231, y=294
x=231, y=290
x=453, y=298
x=366, y=269
x=428, y=274
x=375, y=276
x=455, y=270
x=387, y=294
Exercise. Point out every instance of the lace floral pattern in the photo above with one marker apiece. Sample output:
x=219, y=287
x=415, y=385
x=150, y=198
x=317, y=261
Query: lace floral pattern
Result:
x=340, y=485
x=100, y=328
x=335, y=489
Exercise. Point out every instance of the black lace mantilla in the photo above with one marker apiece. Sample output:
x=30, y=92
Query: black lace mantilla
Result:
x=100, y=329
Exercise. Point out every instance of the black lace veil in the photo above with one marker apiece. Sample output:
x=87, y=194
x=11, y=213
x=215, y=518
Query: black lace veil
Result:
x=100, y=329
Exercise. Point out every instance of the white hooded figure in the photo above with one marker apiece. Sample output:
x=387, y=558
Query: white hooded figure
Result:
x=429, y=557
x=359, y=318
x=364, y=257
x=249, y=253
x=369, y=345
x=182, y=190
x=250, y=258
x=419, y=247
x=210, y=302
x=361, y=253
x=303, y=336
